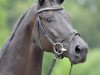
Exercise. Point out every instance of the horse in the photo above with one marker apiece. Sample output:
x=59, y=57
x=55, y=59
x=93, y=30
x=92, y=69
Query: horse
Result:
x=45, y=26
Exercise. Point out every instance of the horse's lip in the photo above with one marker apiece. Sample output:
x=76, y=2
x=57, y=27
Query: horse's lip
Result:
x=74, y=62
x=83, y=60
x=79, y=61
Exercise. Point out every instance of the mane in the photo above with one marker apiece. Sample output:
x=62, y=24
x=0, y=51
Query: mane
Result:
x=12, y=34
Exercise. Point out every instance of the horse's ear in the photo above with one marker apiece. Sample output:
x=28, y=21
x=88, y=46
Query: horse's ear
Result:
x=41, y=2
x=60, y=1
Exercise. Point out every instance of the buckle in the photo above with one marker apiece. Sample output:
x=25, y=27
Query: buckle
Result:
x=59, y=49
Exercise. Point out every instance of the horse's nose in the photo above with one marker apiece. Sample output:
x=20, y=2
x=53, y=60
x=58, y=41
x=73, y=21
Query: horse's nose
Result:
x=79, y=49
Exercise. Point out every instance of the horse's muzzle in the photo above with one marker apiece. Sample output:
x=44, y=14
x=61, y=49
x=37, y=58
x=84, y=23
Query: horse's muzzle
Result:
x=79, y=54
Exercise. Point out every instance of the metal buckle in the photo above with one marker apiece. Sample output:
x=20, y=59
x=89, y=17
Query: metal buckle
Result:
x=62, y=49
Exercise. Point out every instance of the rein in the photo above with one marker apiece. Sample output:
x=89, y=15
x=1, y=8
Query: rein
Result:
x=58, y=54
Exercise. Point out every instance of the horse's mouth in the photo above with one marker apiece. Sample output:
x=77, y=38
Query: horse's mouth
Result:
x=77, y=61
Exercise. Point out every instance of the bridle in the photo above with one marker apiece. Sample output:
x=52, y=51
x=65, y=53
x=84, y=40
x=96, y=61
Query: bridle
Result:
x=58, y=54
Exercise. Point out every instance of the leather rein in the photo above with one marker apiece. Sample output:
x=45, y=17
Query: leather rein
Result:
x=58, y=54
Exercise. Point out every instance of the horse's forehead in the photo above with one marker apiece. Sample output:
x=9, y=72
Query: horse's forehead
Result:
x=47, y=14
x=64, y=15
x=60, y=13
x=52, y=13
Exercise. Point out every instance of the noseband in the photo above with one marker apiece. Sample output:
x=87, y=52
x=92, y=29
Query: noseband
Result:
x=58, y=54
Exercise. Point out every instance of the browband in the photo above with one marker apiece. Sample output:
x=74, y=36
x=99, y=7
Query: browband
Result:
x=49, y=9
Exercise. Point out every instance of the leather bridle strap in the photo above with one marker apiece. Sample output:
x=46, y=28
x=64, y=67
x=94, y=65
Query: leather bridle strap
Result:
x=42, y=26
x=45, y=31
x=49, y=9
x=67, y=35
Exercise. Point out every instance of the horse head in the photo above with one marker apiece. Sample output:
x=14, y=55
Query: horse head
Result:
x=54, y=33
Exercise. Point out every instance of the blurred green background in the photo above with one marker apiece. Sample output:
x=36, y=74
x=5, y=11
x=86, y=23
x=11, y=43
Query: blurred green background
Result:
x=85, y=18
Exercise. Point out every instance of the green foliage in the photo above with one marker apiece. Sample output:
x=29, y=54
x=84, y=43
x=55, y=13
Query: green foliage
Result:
x=4, y=31
x=62, y=67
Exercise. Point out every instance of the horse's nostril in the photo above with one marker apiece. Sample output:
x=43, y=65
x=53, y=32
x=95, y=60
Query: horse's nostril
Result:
x=78, y=49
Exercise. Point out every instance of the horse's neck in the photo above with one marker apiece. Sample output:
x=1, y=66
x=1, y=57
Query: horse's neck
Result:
x=21, y=56
x=23, y=62
x=36, y=61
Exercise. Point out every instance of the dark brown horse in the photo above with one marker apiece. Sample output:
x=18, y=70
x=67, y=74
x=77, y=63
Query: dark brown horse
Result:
x=45, y=26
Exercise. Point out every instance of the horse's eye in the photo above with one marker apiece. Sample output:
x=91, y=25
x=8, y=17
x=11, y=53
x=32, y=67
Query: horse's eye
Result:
x=48, y=19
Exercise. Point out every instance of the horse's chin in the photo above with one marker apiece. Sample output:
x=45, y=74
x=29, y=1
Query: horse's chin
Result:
x=76, y=61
